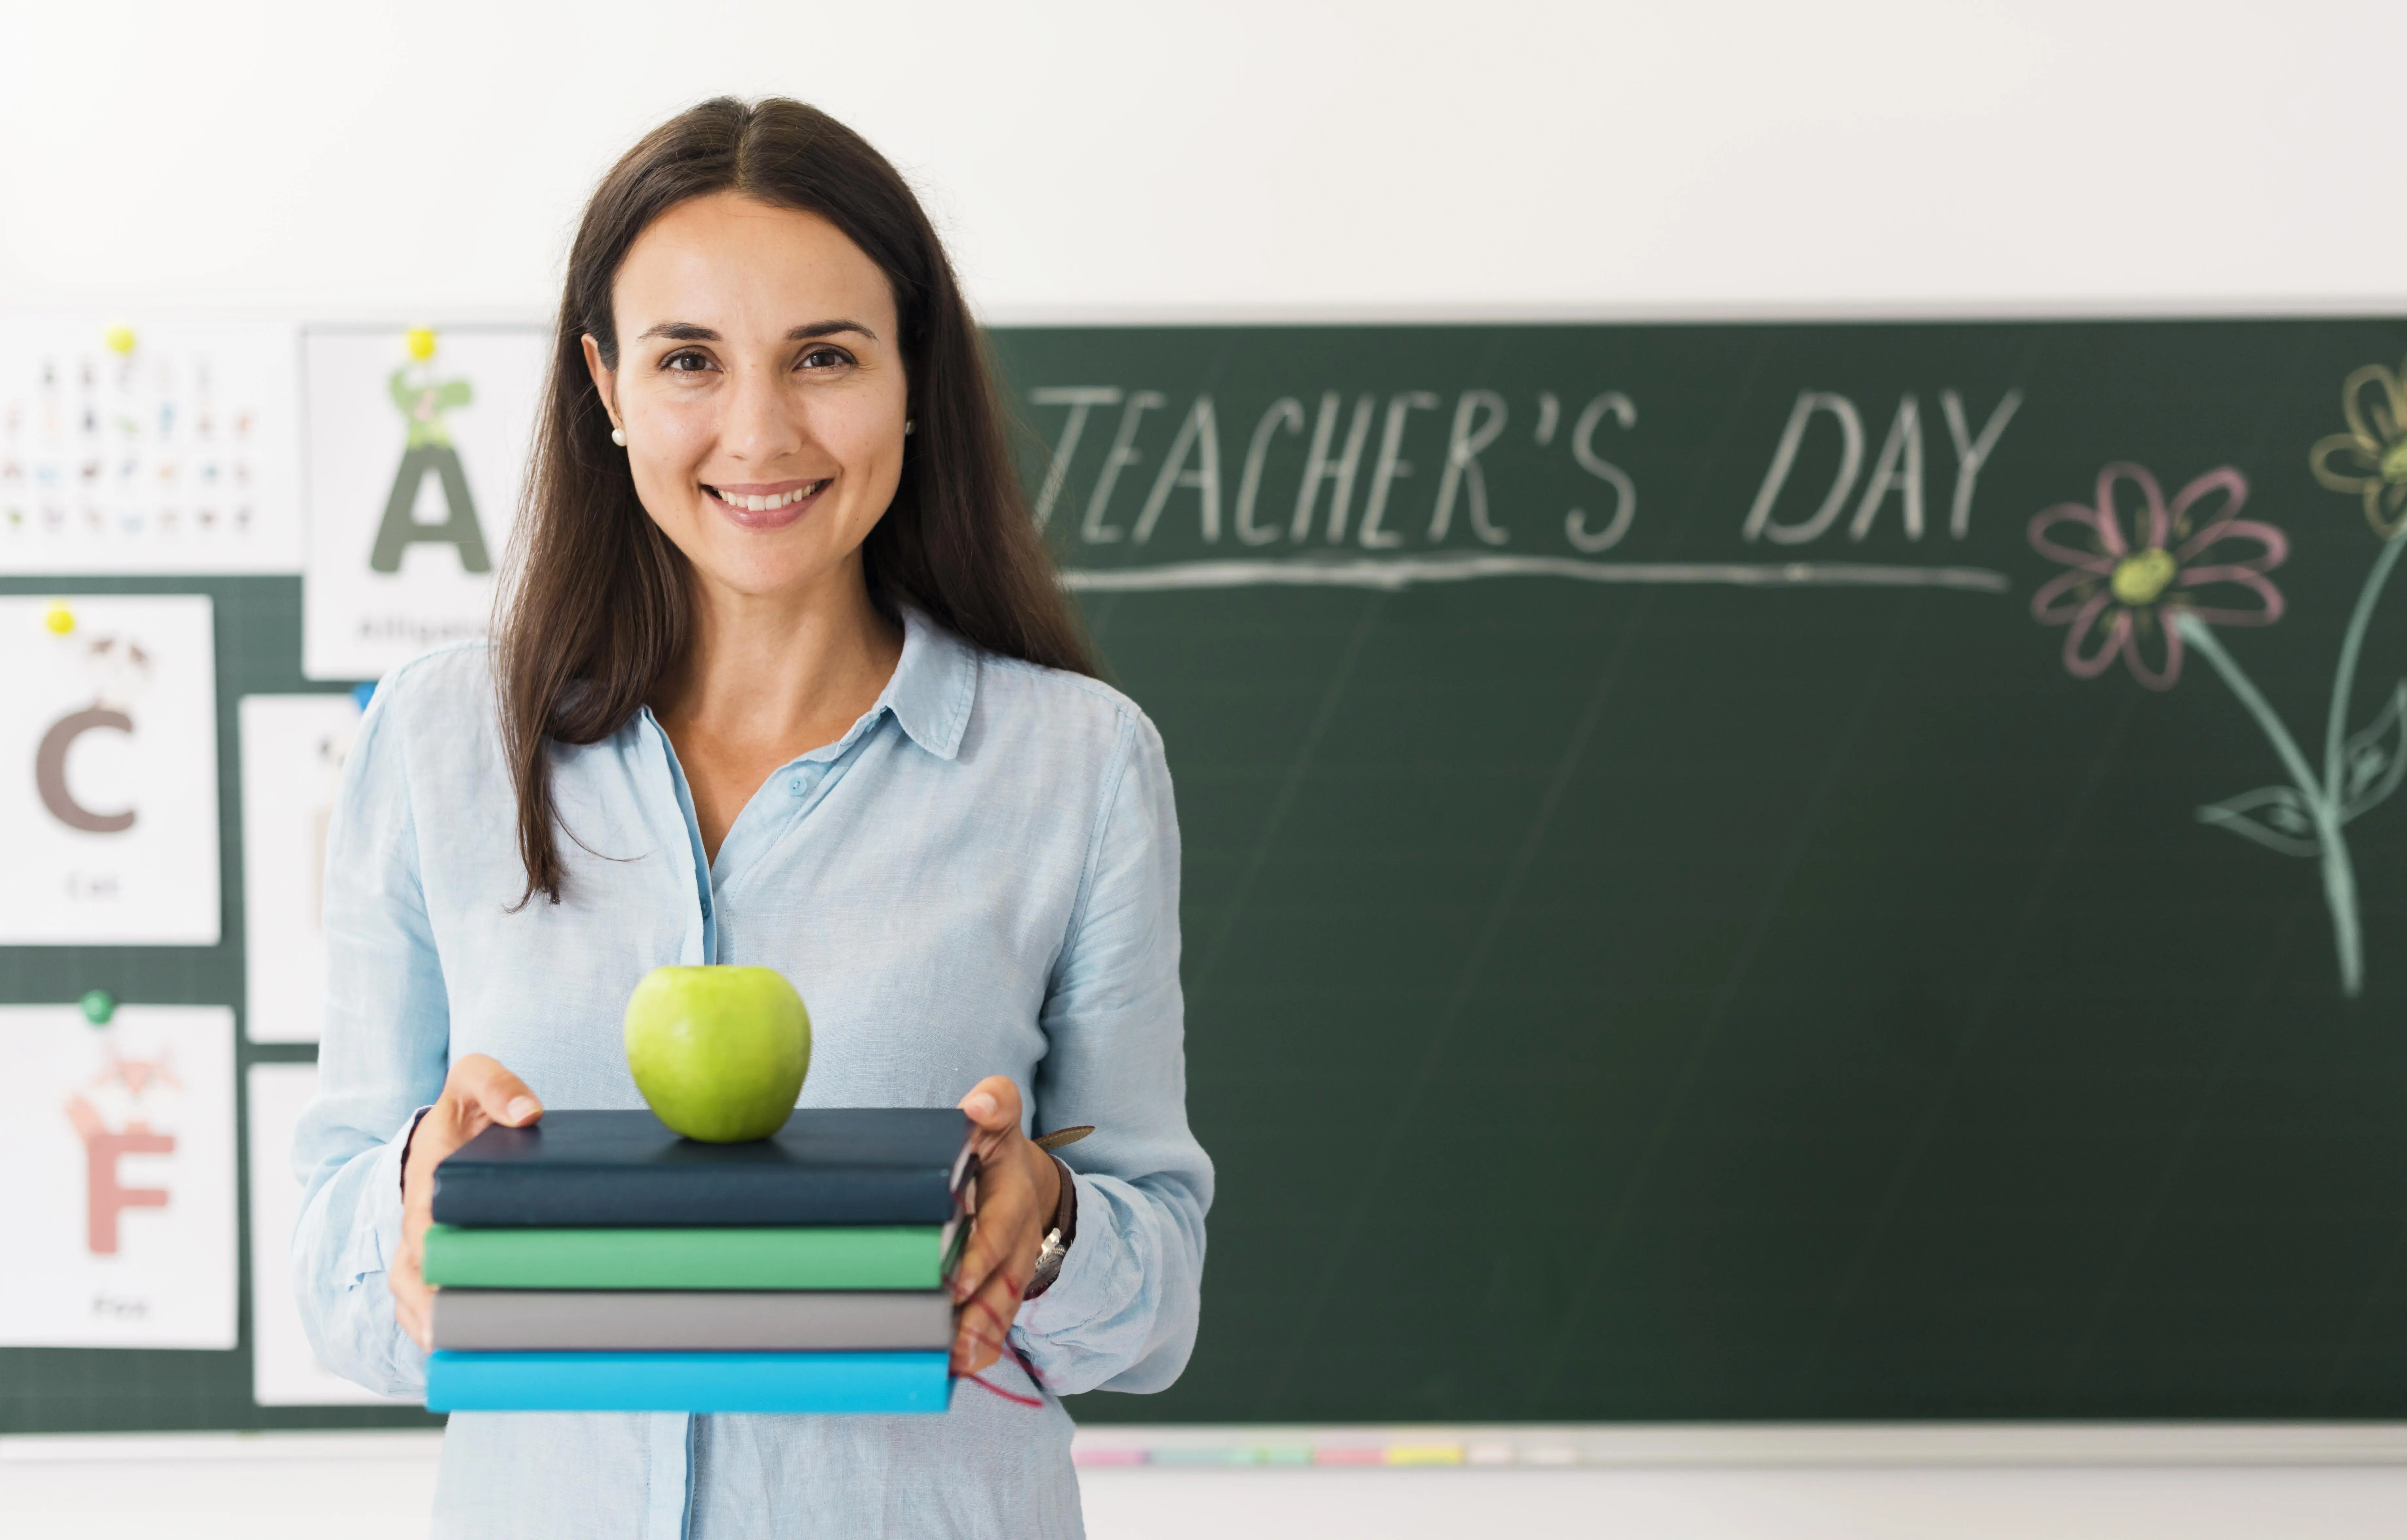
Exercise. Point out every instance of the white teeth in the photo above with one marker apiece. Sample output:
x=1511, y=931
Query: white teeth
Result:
x=766, y=503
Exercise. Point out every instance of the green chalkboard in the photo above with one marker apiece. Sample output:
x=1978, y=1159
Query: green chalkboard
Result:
x=1676, y=934
x=1758, y=978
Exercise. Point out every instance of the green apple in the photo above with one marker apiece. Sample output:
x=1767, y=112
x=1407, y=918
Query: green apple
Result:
x=719, y=1053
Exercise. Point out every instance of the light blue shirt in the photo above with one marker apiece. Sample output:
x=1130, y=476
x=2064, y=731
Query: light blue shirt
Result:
x=981, y=878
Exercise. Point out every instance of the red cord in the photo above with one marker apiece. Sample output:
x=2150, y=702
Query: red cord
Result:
x=1013, y=1348
x=982, y=1383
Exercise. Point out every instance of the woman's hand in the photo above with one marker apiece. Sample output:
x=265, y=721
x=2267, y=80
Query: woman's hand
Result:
x=1019, y=1190
x=477, y=1094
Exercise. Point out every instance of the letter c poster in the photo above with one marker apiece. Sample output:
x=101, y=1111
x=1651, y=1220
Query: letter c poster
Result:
x=117, y=1177
x=108, y=771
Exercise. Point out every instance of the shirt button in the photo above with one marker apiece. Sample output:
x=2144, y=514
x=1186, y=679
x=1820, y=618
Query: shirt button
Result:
x=795, y=786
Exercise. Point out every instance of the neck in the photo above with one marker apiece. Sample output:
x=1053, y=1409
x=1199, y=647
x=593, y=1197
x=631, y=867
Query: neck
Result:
x=786, y=671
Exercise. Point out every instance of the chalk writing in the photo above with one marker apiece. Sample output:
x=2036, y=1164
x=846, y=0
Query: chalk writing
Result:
x=1397, y=477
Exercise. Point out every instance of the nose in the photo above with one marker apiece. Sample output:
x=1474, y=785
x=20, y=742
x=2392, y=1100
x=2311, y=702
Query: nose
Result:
x=759, y=422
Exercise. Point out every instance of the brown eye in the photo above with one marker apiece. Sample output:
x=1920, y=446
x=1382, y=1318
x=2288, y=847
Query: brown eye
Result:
x=825, y=357
x=686, y=363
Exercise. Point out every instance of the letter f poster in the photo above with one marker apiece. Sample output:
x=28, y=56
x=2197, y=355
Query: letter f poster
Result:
x=117, y=1210
x=417, y=447
x=108, y=771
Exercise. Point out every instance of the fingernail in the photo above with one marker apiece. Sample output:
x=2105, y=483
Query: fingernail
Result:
x=523, y=1107
x=980, y=1105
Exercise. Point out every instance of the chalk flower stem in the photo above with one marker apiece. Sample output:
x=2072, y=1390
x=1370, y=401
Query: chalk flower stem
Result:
x=2352, y=644
x=2320, y=796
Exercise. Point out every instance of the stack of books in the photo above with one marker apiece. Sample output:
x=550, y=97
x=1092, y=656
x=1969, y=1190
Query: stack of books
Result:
x=601, y=1261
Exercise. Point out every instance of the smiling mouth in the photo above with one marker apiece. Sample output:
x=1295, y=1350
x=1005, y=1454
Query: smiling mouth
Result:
x=772, y=502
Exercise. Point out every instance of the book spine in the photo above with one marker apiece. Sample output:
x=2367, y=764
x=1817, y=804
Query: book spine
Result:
x=811, y=1257
x=485, y=1196
x=725, y=1320
x=882, y=1384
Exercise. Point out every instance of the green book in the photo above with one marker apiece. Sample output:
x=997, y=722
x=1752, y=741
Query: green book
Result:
x=833, y=1256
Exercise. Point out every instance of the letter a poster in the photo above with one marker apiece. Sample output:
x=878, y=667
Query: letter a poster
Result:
x=117, y=1213
x=108, y=771
x=416, y=451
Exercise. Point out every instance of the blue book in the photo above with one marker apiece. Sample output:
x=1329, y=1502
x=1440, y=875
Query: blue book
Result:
x=880, y=1383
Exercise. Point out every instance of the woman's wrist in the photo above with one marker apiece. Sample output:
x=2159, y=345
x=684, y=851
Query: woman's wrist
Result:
x=1046, y=1174
x=402, y=1167
x=1059, y=1233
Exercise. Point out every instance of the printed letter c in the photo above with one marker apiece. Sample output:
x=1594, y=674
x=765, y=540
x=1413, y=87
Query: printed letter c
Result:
x=51, y=771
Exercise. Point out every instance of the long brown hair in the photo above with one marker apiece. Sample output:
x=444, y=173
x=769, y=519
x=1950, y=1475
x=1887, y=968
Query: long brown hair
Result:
x=597, y=606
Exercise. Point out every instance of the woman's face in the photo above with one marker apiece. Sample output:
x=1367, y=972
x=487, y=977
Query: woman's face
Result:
x=760, y=385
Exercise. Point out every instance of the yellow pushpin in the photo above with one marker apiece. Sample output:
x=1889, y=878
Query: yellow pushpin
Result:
x=422, y=343
x=60, y=620
x=119, y=338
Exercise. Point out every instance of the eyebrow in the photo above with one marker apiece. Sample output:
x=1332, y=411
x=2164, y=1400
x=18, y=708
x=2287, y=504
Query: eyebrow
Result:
x=686, y=331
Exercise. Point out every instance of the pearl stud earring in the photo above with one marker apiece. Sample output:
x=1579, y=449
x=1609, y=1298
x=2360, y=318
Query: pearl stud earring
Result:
x=908, y=424
x=618, y=436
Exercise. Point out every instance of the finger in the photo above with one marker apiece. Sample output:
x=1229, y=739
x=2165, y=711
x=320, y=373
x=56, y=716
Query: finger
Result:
x=984, y=1323
x=482, y=1085
x=975, y=1265
x=1006, y=1228
x=412, y=1299
x=993, y=1104
x=1002, y=1215
x=413, y=1318
x=993, y=1109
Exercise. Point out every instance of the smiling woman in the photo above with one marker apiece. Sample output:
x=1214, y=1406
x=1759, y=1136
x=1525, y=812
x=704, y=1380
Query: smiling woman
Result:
x=784, y=679
x=791, y=319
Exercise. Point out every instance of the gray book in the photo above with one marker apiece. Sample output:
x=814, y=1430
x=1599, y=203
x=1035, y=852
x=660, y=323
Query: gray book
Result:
x=671, y=1321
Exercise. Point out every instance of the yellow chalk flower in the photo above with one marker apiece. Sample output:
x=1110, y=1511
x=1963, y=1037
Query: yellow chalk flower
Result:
x=2371, y=459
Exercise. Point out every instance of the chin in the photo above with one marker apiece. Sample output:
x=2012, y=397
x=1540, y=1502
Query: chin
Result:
x=760, y=579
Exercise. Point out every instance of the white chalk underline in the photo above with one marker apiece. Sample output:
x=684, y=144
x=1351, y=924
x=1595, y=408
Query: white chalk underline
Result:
x=1404, y=571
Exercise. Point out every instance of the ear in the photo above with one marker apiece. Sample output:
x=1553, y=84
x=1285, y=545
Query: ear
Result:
x=605, y=381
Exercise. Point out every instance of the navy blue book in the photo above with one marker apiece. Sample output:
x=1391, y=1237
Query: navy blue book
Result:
x=828, y=1165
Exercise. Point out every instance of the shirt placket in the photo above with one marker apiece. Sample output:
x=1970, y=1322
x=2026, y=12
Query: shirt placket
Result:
x=669, y=1462
x=801, y=785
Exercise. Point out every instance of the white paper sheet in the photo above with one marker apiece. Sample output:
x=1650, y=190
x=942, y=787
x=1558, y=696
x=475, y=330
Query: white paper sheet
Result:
x=108, y=771
x=283, y=1371
x=396, y=446
x=117, y=1219
x=292, y=748
x=156, y=446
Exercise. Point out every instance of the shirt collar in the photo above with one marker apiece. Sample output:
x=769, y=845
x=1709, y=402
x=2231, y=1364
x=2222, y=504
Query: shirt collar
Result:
x=934, y=685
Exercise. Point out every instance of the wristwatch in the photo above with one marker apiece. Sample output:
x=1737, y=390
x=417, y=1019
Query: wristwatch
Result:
x=1058, y=1239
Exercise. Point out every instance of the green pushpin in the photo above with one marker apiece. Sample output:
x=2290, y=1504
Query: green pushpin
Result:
x=98, y=1007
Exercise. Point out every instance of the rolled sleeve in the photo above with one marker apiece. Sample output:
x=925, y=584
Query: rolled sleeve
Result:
x=1122, y=1313
x=382, y=1058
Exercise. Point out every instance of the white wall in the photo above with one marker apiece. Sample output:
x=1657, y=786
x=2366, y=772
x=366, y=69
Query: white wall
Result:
x=1243, y=158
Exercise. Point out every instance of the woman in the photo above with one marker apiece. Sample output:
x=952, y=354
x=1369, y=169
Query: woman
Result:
x=783, y=680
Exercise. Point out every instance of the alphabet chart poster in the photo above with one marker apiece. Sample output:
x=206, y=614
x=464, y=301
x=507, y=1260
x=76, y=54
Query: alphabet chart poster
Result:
x=283, y=1371
x=118, y=1210
x=417, y=449
x=150, y=447
x=293, y=750
x=109, y=786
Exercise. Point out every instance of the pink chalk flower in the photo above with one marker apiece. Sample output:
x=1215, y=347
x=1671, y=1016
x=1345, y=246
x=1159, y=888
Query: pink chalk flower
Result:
x=2130, y=576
